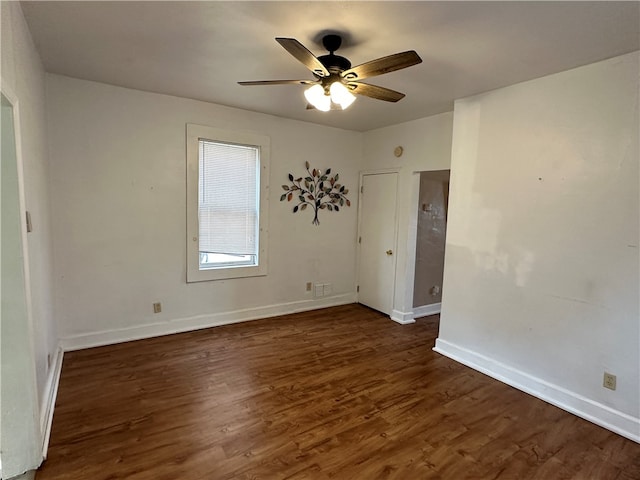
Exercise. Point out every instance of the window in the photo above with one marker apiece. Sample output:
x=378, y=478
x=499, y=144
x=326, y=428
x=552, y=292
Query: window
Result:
x=228, y=203
x=227, y=176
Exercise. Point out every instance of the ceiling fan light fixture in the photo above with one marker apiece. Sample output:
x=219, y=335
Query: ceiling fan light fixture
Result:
x=316, y=97
x=341, y=95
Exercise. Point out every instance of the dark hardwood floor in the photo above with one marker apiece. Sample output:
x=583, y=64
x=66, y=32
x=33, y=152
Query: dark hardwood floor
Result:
x=339, y=393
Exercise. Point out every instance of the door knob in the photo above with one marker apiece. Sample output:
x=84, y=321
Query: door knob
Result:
x=389, y=252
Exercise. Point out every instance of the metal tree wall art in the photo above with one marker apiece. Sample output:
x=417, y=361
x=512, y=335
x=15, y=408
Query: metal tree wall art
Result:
x=318, y=190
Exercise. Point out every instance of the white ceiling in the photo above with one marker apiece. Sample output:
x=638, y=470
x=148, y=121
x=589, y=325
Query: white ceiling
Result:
x=200, y=50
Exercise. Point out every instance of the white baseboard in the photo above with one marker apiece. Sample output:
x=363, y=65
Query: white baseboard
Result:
x=49, y=399
x=426, y=310
x=403, y=318
x=109, y=337
x=572, y=402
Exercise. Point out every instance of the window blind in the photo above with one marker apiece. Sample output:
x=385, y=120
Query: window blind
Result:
x=228, y=198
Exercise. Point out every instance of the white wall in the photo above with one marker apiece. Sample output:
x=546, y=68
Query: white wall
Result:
x=426, y=146
x=23, y=73
x=541, y=269
x=118, y=190
x=23, y=77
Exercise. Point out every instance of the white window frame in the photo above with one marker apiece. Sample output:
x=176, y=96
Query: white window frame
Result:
x=194, y=134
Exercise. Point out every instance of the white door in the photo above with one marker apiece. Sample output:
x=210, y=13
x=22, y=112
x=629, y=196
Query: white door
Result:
x=377, y=237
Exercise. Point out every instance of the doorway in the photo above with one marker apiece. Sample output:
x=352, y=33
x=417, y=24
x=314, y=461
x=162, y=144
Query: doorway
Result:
x=433, y=203
x=377, y=240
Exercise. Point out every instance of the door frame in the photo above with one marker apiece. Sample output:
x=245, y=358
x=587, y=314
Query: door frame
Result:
x=37, y=450
x=364, y=173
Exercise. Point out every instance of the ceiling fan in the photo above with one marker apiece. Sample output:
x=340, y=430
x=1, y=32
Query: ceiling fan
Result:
x=336, y=80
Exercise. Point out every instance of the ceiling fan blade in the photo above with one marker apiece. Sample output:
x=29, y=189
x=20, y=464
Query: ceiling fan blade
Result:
x=304, y=56
x=278, y=82
x=382, y=65
x=373, y=91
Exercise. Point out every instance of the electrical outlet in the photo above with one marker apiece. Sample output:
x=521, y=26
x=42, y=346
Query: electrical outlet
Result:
x=609, y=381
x=318, y=290
x=157, y=307
x=309, y=286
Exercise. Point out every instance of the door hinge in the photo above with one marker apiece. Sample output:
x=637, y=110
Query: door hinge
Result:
x=359, y=239
x=361, y=189
x=28, y=220
x=358, y=289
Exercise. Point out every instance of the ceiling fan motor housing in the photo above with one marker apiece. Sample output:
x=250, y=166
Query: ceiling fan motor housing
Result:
x=334, y=63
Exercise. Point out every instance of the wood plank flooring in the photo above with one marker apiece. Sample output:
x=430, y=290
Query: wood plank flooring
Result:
x=339, y=393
